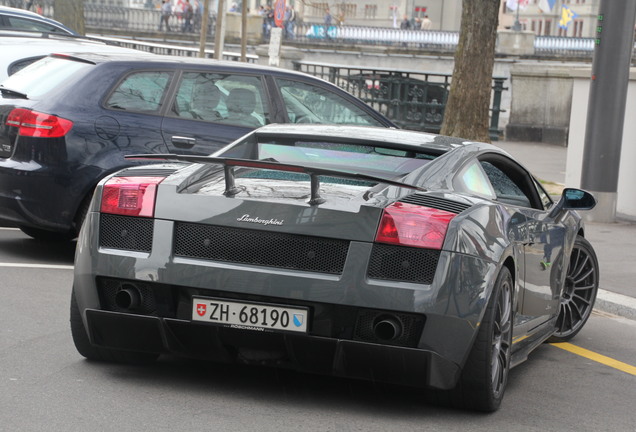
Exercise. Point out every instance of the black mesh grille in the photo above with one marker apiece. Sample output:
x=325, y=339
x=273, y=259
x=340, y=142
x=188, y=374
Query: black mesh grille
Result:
x=410, y=326
x=126, y=232
x=260, y=248
x=435, y=202
x=400, y=263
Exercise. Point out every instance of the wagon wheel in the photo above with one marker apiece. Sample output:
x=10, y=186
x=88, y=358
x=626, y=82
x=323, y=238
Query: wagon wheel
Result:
x=579, y=292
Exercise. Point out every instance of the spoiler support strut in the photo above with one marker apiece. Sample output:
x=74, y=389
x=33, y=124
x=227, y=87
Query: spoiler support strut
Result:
x=313, y=172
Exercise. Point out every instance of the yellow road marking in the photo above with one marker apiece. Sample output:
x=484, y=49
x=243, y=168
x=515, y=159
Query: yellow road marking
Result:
x=607, y=361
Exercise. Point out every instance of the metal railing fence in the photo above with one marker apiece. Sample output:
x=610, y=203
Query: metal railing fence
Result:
x=138, y=20
x=429, y=40
x=330, y=35
x=173, y=50
x=100, y=16
x=414, y=100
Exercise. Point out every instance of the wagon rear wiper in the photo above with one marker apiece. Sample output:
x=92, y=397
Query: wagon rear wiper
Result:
x=8, y=92
x=312, y=172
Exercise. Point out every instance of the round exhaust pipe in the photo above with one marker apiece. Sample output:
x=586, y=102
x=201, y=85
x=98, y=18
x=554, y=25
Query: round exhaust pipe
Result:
x=128, y=297
x=388, y=328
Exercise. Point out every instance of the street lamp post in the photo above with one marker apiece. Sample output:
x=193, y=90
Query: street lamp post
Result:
x=606, y=108
x=517, y=25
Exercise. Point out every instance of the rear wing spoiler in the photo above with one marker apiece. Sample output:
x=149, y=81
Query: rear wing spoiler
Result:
x=312, y=172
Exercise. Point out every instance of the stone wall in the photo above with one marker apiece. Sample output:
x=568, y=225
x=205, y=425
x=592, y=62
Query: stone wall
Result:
x=541, y=99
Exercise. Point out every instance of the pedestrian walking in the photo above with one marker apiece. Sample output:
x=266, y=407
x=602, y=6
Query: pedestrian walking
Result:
x=263, y=11
x=289, y=22
x=328, y=17
x=405, y=24
x=426, y=23
x=166, y=12
x=197, y=7
x=328, y=20
x=188, y=13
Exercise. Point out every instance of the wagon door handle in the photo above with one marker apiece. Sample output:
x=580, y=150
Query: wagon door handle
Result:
x=183, y=142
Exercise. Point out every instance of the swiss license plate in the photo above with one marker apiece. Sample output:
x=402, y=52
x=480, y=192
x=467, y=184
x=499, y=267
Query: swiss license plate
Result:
x=250, y=316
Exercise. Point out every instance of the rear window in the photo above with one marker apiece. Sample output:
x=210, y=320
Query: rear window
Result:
x=44, y=75
x=386, y=161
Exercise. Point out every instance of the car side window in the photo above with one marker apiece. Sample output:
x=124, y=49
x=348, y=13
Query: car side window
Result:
x=307, y=103
x=221, y=98
x=25, y=24
x=473, y=179
x=512, y=183
x=505, y=189
x=546, y=201
x=141, y=92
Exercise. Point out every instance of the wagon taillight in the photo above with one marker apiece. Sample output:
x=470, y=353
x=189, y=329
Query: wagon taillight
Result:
x=39, y=125
x=130, y=196
x=413, y=225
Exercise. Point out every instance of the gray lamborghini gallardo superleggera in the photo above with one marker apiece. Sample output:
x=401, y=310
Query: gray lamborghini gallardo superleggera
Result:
x=369, y=253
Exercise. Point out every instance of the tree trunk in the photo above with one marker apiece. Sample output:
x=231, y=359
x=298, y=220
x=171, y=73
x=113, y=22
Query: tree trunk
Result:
x=71, y=14
x=467, y=108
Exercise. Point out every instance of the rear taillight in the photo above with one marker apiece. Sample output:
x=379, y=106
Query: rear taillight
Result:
x=36, y=124
x=130, y=196
x=413, y=225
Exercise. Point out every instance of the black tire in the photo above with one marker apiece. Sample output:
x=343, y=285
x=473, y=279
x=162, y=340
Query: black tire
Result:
x=485, y=375
x=91, y=352
x=48, y=236
x=579, y=292
x=80, y=215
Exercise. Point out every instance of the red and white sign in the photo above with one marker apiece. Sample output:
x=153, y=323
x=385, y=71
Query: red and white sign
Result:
x=279, y=13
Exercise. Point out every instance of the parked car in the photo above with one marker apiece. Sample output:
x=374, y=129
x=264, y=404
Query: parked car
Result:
x=68, y=121
x=21, y=19
x=371, y=253
x=20, y=49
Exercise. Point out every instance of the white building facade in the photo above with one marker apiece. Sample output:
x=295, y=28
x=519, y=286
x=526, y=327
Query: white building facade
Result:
x=446, y=14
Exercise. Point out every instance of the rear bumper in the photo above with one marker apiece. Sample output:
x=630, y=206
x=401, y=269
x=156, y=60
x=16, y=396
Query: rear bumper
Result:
x=307, y=353
x=41, y=197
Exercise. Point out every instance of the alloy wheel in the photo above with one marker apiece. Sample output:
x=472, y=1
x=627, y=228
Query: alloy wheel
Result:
x=502, y=331
x=579, y=292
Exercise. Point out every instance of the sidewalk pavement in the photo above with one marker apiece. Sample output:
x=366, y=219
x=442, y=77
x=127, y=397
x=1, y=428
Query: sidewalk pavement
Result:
x=613, y=242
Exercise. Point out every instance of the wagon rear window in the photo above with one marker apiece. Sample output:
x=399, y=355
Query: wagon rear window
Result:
x=39, y=78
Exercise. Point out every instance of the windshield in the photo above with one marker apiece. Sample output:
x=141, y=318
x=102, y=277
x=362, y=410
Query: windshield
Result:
x=44, y=75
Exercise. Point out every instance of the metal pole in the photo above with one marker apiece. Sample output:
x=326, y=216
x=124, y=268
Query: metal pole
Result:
x=517, y=24
x=606, y=107
x=244, y=31
x=219, y=32
x=204, y=28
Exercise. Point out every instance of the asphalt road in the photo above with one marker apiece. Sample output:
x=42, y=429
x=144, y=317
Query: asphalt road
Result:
x=46, y=386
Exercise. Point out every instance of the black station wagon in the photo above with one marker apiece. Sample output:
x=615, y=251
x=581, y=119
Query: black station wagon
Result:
x=67, y=121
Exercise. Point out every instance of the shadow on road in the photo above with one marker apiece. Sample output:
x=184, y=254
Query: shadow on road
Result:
x=16, y=246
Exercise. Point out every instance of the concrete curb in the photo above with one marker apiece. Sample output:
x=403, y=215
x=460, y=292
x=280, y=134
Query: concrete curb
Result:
x=617, y=304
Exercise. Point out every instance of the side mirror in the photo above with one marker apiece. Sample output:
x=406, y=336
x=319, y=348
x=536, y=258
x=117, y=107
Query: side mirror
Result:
x=573, y=199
